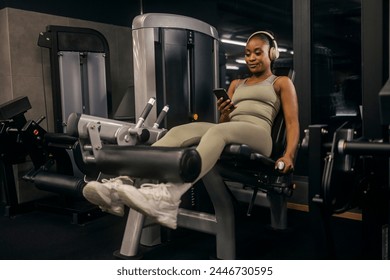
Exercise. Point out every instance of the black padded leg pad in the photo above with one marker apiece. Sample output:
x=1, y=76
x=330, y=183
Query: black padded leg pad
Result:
x=58, y=183
x=158, y=163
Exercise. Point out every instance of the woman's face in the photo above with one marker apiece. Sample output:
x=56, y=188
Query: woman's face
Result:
x=257, y=55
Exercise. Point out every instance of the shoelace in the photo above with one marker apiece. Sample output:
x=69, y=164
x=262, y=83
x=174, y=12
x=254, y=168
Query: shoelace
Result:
x=158, y=192
x=118, y=180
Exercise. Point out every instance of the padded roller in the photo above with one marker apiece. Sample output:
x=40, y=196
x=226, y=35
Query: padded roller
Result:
x=157, y=163
x=60, y=139
x=58, y=183
x=72, y=124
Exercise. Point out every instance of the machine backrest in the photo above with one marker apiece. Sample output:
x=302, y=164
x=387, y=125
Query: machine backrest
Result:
x=278, y=132
x=278, y=135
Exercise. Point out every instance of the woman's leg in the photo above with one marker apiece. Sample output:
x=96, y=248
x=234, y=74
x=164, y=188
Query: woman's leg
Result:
x=216, y=138
x=211, y=139
x=184, y=135
x=161, y=201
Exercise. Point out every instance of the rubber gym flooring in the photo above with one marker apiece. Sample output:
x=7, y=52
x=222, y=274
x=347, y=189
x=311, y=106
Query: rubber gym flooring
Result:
x=44, y=235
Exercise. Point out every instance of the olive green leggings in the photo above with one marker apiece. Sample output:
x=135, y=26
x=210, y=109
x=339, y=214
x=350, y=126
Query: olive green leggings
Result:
x=212, y=138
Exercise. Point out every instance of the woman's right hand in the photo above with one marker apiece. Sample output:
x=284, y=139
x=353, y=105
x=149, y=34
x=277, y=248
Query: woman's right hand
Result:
x=225, y=108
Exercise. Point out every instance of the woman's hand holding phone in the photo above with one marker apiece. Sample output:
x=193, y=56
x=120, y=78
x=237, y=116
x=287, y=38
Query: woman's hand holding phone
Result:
x=225, y=106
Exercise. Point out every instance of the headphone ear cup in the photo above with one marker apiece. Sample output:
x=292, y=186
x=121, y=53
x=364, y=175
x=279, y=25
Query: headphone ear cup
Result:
x=274, y=52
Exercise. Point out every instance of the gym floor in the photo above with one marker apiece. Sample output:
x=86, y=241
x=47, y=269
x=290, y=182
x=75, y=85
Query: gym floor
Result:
x=44, y=235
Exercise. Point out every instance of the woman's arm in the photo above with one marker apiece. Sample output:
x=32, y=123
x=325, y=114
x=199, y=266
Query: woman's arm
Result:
x=286, y=90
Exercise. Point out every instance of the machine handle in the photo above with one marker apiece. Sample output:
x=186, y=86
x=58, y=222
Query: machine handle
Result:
x=364, y=148
x=41, y=118
x=161, y=116
x=145, y=112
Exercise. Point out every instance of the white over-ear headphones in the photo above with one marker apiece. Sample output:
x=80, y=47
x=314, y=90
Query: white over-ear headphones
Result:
x=273, y=48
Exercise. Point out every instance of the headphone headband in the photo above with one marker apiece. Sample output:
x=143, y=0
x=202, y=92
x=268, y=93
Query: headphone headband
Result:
x=274, y=52
x=261, y=32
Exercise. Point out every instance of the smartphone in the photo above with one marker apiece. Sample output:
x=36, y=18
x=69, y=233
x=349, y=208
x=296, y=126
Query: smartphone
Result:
x=221, y=92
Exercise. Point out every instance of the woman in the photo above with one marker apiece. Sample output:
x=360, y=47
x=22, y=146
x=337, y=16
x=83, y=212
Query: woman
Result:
x=246, y=118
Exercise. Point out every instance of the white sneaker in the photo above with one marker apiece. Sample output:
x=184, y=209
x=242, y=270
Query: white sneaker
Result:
x=153, y=200
x=105, y=196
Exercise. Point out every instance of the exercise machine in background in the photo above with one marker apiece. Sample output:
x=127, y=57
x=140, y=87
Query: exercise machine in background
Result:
x=59, y=159
x=347, y=171
x=176, y=60
x=80, y=72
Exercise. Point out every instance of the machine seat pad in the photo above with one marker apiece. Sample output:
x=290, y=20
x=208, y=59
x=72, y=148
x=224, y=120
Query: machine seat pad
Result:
x=241, y=154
